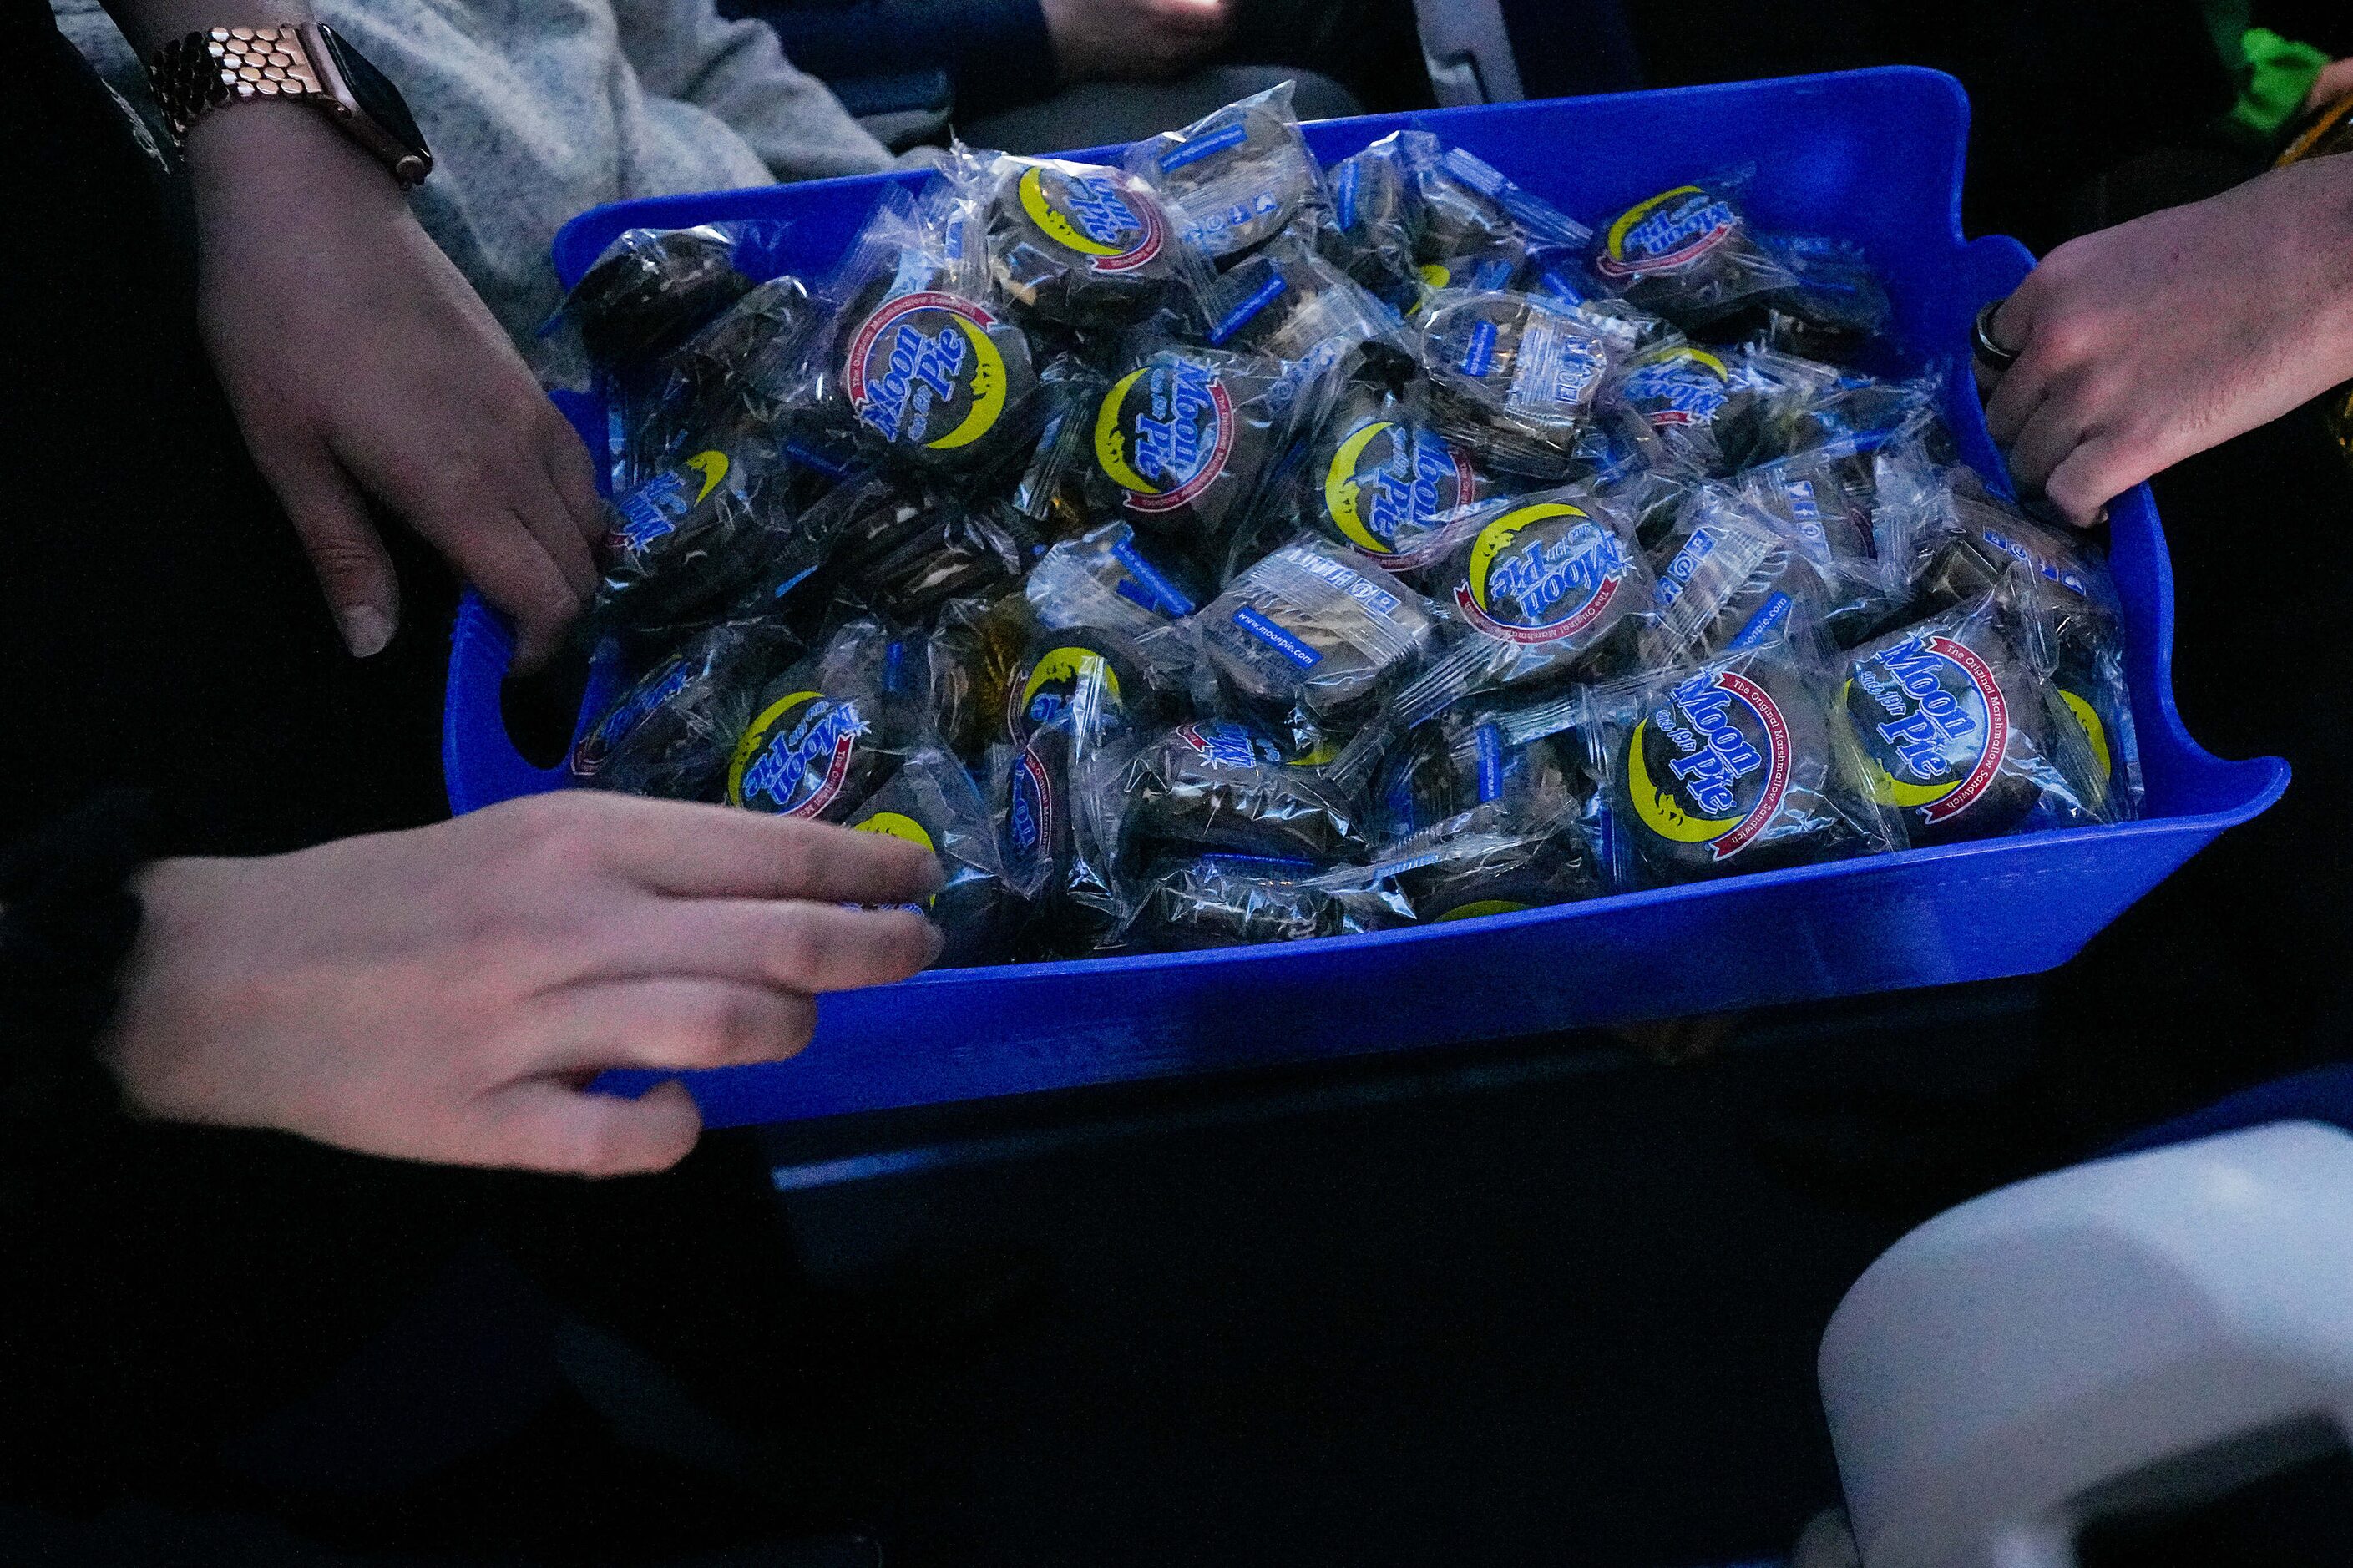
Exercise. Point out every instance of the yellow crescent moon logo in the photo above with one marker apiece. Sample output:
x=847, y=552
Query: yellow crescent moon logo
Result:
x=1340, y=489
x=713, y=467
x=986, y=383
x=1657, y=807
x=1058, y=227
x=1636, y=214
x=1691, y=356
x=756, y=737
x=2093, y=730
x=897, y=824
x=1886, y=787
x=1497, y=536
x=1073, y=664
x=1110, y=445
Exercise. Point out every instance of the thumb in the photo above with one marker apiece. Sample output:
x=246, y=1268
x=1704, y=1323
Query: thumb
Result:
x=345, y=552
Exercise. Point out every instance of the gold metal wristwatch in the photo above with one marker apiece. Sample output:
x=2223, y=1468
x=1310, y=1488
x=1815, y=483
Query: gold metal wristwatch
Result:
x=303, y=62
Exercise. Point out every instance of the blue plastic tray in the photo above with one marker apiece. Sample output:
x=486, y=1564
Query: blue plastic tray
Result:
x=1870, y=156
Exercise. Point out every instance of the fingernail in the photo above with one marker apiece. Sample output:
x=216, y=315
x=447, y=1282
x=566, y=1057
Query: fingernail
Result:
x=939, y=944
x=365, y=630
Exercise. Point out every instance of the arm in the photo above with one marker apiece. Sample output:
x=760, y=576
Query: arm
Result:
x=362, y=369
x=999, y=53
x=737, y=73
x=445, y=994
x=2145, y=343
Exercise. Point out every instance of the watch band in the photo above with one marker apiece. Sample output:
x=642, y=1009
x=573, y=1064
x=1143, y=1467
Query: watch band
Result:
x=194, y=74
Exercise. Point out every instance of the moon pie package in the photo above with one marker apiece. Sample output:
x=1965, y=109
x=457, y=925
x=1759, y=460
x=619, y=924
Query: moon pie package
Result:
x=1824, y=503
x=1962, y=731
x=1834, y=310
x=961, y=551
x=1081, y=244
x=1690, y=400
x=1290, y=303
x=1538, y=587
x=1111, y=578
x=1736, y=764
x=1061, y=836
x=1184, y=438
x=1223, y=784
x=1471, y=866
x=1123, y=685
x=718, y=380
x=670, y=732
x=1238, y=177
x=1688, y=254
x=690, y=537
x=932, y=801
x=1409, y=204
x=969, y=660
x=1053, y=492
x=1980, y=540
x=1186, y=903
x=1466, y=205
x=1375, y=221
x=1380, y=480
x=1849, y=413
x=830, y=731
x=650, y=290
x=920, y=363
x=1314, y=638
x=1512, y=376
x=1520, y=765
x=1727, y=578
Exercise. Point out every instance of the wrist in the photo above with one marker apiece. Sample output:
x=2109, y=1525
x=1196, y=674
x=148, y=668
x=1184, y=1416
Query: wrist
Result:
x=265, y=154
x=177, y=898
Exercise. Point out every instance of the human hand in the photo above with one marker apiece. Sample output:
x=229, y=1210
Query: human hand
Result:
x=361, y=365
x=1133, y=40
x=446, y=994
x=2145, y=343
x=2334, y=82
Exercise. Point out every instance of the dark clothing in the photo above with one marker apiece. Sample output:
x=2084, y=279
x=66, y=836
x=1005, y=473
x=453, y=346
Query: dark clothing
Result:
x=997, y=53
x=160, y=632
x=1105, y=113
x=159, y=624
x=67, y=920
x=171, y=1297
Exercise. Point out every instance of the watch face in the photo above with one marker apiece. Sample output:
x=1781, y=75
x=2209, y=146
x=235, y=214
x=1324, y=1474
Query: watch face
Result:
x=377, y=98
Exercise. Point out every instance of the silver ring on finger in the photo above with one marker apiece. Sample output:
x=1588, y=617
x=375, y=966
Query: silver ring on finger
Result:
x=1988, y=351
